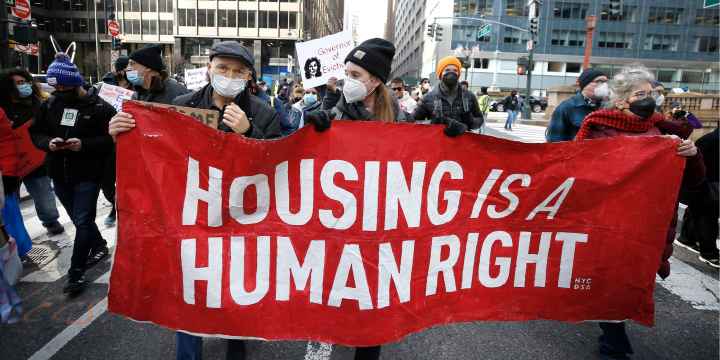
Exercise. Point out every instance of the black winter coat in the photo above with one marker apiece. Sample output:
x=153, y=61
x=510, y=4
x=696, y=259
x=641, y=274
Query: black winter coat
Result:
x=436, y=106
x=165, y=94
x=91, y=127
x=264, y=121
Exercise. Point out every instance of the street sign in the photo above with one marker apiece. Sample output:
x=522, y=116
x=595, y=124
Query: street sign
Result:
x=113, y=28
x=484, y=31
x=711, y=3
x=21, y=9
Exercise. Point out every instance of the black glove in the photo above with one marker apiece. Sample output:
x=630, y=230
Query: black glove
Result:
x=455, y=128
x=319, y=119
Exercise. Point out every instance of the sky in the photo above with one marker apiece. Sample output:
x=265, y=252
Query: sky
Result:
x=371, y=17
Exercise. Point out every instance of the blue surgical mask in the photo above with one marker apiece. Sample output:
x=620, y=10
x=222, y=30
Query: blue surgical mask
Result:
x=134, y=77
x=25, y=90
x=309, y=99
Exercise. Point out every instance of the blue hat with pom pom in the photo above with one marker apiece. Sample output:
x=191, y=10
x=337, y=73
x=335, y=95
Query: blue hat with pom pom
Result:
x=63, y=72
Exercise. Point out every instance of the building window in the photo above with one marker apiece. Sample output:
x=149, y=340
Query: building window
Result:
x=206, y=17
x=514, y=36
x=166, y=27
x=666, y=75
x=629, y=13
x=568, y=38
x=186, y=17
x=516, y=8
x=227, y=18
x=246, y=19
x=614, y=40
x=573, y=68
x=665, y=15
x=149, y=27
x=661, y=42
x=705, y=44
x=692, y=76
x=165, y=5
x=709, y=17
x=555, y=66
x=134, y=5
x=481, y=63
x=568, y=10
x=268, y=19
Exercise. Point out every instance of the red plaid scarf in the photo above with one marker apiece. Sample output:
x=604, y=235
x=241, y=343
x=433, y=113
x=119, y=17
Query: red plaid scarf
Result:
x=617, y=119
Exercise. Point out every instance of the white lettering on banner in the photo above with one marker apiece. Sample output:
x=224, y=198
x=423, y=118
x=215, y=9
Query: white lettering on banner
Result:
x=452, y=198
x=282, y=193
x=400, y=195
x=505, y=192
x=194, y=194
x=561, y=192
x=334, y=192
x=237, y=199
x=370, y=197
x=390, y=270
x=485, y=189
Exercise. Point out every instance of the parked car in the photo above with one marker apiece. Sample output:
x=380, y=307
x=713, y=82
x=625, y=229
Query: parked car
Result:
x=537, y=104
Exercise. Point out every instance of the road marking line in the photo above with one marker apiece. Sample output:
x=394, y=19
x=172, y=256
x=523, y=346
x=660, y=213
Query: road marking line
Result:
x=698, y=289
x=59, y=341
x=318, y=351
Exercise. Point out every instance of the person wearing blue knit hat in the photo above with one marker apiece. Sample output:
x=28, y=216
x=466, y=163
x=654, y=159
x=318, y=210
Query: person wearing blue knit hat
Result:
x=72, y=127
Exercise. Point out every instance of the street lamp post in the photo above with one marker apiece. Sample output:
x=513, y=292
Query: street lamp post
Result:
x=97, y=42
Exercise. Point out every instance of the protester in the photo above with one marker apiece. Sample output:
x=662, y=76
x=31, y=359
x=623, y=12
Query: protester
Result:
x=230, y=69
x=21, y=98
x=512, y=105
x=415, y=94
x=658, y=95
x=117, y=77
x=262, y=92
x=11, y=215
x=700, y=221
x=682, y=121
x=630, y=111
x=151, y=81
x=569, y=114
x=465, y=85
x=448, y=103
x=332, y=94
x=424, y=87
x=308, y=102
x=72, y=128
x=407, y=104
x=484, y=101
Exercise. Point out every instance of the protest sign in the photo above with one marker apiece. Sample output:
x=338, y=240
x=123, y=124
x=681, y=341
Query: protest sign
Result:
x=298, y=237
x=321, y=59
x=115, y=95
x=196, y=78
x=208, y=117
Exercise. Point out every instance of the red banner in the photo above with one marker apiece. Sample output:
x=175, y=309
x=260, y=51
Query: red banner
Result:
x=367, y=232
x=18, y=155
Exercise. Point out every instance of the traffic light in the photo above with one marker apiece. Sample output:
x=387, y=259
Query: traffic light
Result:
x=616, y=7
x=534, y=26
x=431, y=31
x=522, y=65
x=116, y=43
x=521, y=69
x=438, y=33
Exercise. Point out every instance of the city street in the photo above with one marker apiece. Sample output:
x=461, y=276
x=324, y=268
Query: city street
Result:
x=57, y=327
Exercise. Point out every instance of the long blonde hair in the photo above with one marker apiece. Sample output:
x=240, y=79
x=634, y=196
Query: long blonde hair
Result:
x=383, y=107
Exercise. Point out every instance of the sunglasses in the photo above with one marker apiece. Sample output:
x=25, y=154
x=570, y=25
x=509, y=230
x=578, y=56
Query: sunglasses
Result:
x=397, y=89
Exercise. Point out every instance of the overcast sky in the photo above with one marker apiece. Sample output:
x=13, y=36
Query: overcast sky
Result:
x=371, y=15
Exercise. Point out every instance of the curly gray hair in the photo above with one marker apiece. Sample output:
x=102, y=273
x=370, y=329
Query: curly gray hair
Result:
x=626, y=81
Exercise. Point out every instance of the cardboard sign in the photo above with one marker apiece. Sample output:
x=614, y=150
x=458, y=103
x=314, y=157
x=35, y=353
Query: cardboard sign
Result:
x=196, y=78
x=321, y=59
x=115, y=95
x=210, y=118
x=299, y=237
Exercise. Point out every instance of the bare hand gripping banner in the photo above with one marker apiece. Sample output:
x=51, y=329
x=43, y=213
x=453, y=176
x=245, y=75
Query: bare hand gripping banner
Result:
x=367, y=232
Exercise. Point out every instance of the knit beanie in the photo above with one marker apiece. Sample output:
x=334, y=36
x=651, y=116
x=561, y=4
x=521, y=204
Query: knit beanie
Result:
x=588, y=75
x=121, y=63
x=149, y=56
x=63, y=72
x=375, y=56
x=445, y=62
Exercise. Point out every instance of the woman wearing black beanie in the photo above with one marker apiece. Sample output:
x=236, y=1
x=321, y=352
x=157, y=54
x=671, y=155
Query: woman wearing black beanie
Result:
x=364, y=95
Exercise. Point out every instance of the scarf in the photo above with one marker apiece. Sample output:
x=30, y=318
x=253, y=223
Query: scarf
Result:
x=617, y=119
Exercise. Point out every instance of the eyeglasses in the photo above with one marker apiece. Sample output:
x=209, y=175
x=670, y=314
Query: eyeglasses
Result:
x=397, y=89
x=223, y=69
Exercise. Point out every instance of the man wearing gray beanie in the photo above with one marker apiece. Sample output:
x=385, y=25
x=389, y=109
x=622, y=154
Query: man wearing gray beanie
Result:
x=568, y=116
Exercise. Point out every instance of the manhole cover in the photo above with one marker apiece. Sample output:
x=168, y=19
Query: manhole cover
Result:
x=40, y=255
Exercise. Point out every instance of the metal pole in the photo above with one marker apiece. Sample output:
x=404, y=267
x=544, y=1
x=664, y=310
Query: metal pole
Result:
x=591, y=21
x=527, y=110
x=97, y=43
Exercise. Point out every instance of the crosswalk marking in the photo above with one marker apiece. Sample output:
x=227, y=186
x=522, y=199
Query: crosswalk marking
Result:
x=521, y=132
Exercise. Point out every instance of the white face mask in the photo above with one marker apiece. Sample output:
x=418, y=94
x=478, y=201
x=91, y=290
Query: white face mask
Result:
x=602, y=92
x=354, y=90
x=228, y=87
x=659, y=100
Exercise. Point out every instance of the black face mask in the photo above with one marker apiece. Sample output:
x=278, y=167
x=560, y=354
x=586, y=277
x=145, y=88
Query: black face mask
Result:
x=679, y=114
x=450, y=79
x=643, y=108
x=66, y=95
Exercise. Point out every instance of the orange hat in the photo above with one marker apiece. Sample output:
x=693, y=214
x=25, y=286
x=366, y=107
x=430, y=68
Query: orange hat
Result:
x=444, y=62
